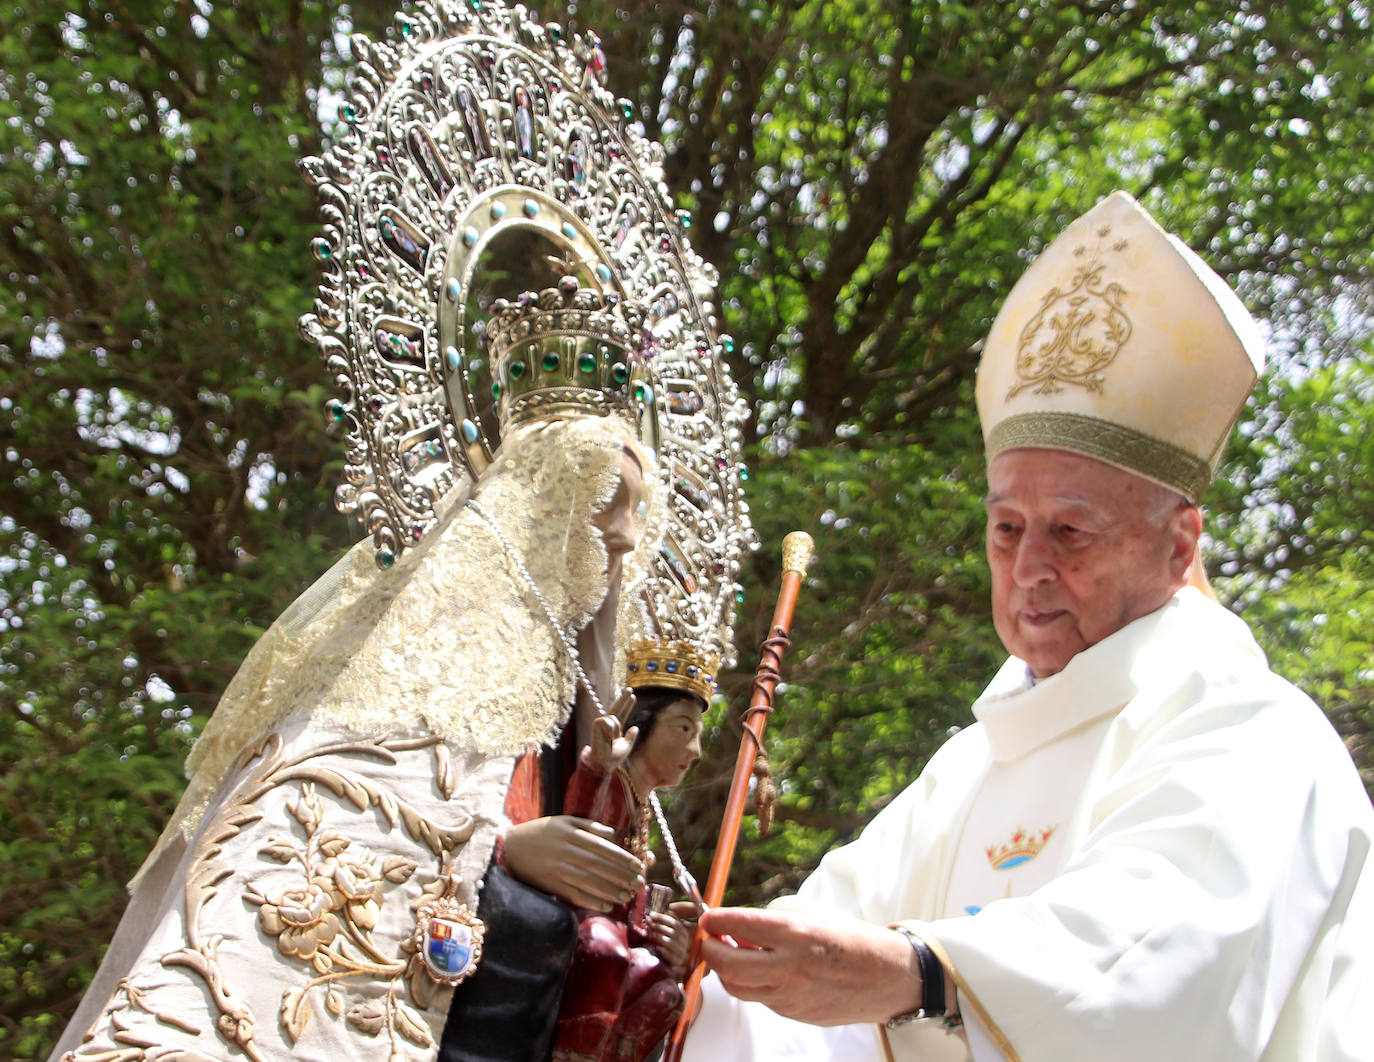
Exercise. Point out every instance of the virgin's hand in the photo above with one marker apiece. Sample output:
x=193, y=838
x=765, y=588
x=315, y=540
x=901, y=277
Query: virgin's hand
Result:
x=672, y=940
x=575, y=859
x=836, y=971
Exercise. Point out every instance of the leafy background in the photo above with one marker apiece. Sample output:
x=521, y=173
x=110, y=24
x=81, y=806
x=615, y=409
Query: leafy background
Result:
x=870, y=177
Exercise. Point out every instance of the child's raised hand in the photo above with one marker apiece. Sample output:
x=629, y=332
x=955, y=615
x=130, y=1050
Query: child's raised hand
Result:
x=610, y=748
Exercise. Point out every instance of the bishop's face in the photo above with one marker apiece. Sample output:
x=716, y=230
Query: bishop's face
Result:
x=673, y=745
x=1078, y=549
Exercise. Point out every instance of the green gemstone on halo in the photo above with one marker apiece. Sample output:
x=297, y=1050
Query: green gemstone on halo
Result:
x=627, y=109
x=728, y=344
x=496, y=390
x=336, y=410
x=516, y=370
x=739, y=597
x=619, y=373
x=386, y=558
x=550, y=362
x=586, y=363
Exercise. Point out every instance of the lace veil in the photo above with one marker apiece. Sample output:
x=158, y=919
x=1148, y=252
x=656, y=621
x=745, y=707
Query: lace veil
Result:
x=452, y=634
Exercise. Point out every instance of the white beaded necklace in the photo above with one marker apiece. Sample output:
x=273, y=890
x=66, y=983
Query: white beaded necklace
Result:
x=681, y=874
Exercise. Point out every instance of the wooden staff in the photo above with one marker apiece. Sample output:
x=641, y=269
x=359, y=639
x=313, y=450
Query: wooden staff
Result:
x=796, y=554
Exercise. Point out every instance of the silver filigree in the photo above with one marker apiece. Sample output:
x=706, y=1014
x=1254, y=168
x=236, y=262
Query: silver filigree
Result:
x=480, y=155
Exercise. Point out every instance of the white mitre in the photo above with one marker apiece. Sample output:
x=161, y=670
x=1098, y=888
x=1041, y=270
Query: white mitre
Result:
x=1121, y=344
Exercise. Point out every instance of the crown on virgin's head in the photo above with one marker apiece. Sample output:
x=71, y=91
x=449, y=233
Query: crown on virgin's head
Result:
x=677, y=664
x=564, y=351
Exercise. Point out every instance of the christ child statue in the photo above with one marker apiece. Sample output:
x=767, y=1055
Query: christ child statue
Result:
x=623, y=991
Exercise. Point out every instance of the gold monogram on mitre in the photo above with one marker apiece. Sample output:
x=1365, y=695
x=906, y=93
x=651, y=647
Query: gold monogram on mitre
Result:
x=1077, y=332
x=448, y=936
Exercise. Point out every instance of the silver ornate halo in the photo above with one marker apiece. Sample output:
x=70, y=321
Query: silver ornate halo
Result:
x=479, y=156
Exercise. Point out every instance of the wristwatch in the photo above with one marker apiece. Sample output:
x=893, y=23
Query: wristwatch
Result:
x=932, y=985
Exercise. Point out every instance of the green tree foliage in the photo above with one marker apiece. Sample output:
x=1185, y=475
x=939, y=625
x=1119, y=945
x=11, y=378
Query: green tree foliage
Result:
x=166, y=484
x=870, y=178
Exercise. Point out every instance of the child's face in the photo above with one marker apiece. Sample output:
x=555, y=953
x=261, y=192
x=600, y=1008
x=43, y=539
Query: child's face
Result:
x=674, y=744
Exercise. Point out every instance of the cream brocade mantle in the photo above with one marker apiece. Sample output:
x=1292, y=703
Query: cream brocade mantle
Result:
x=324, y=843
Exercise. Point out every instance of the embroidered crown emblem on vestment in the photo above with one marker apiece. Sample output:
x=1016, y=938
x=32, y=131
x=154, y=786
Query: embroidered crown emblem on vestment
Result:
x=1024, y=846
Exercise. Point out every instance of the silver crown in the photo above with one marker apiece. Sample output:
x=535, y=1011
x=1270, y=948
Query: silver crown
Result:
x=565, y=351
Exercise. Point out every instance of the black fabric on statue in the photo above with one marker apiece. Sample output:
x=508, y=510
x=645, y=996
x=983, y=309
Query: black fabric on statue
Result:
x=555, y=769
x=507, y=1011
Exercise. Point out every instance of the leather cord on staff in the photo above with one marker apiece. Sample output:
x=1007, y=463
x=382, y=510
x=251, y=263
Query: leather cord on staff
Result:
x=765, y=679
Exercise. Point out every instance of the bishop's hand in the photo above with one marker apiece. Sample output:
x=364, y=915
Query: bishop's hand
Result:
x=832, y=971
x=575, y=859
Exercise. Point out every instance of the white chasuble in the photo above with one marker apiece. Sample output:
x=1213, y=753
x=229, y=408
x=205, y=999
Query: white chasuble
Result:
x=1161, y=853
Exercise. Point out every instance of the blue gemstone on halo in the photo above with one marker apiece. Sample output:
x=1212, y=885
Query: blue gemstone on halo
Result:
x=531, y=208
x=454, y=360
x=671, y=667
x=469, y=431
x=652, y=665
x=453, y=289
x=498, y=210
x=568, y=230
x=603, y=271
x=470, y=236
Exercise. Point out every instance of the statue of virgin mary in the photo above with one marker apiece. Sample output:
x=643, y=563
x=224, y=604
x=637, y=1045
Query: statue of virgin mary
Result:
x=544, y=479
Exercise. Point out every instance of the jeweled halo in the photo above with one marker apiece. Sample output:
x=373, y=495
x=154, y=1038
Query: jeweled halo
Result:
x=479, y=155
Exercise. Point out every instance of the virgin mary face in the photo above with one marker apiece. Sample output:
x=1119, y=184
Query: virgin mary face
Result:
x=616, y=521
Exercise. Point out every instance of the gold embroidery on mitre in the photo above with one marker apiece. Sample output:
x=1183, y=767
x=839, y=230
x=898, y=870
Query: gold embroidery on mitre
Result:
x=1078, y=331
